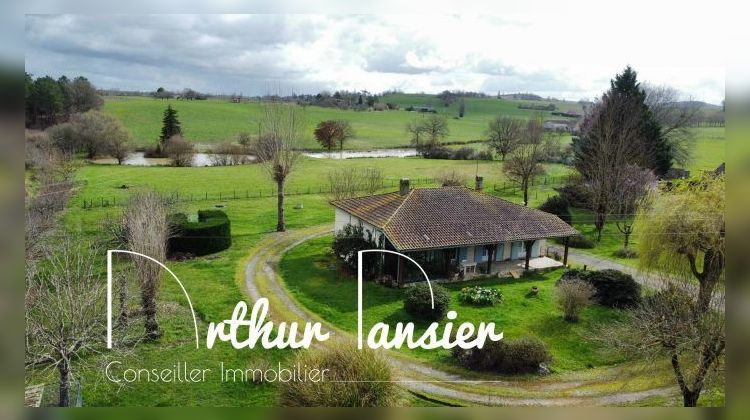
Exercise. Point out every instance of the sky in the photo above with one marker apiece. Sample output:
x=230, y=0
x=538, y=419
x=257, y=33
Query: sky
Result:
x=547, y=53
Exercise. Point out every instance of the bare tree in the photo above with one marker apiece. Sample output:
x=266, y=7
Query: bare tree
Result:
x=277, y=148
x=118, y=145
x=64, y=306
x=525, y=162
x=349, y=182
x=677, y=120
x=450, y=178
x=504, y=134
x=573, y=296
x=628, y=194
x=415, y=130
x=435, y=129
x=615, y=127
x=227, y=154
x=669, y=325
x=147, y=231
x=179, y=151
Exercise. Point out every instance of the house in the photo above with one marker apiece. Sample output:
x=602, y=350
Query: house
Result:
x=453, y=230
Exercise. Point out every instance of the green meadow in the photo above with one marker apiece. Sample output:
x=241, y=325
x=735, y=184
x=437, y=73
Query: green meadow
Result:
x=213, y=121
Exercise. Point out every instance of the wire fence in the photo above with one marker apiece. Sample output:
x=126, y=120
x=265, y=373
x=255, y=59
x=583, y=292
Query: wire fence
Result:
x=239, y=194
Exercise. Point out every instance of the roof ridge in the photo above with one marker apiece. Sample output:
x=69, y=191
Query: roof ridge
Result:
x=385, y=225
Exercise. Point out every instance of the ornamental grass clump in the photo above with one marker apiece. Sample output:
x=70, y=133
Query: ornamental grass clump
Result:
x=353, y=378
x=480, y=296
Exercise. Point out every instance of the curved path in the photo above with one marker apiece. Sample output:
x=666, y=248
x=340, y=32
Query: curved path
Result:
x=624, y=384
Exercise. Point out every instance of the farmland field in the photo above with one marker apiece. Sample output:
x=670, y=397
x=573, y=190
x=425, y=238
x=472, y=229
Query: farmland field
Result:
x=214, y=120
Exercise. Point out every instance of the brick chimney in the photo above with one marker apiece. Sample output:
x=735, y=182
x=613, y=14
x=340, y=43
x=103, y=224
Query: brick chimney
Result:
x=479, y=183
x=403, y=186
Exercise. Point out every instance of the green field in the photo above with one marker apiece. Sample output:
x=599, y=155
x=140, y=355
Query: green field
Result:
x=213, y=120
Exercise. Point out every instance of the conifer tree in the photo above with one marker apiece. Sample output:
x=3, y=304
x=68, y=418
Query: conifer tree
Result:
x=170, y=125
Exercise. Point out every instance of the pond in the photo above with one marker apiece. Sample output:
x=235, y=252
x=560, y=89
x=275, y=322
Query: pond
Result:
x=204, y=159
x=139, y=159
x=351, y=154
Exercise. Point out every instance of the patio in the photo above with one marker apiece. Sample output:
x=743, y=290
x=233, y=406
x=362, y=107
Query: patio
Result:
x=510, y=268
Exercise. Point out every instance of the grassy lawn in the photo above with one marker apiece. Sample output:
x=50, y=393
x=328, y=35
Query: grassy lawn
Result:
x=105, y=181
x=309, y=273
x=710, y=149
x=214, y=283
x=214, y=120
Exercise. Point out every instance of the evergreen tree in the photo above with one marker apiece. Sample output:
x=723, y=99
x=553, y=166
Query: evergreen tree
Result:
x=170, y=125
x=656, y=152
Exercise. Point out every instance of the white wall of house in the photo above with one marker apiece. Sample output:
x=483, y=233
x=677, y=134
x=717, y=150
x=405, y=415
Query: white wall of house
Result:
x=344, y=218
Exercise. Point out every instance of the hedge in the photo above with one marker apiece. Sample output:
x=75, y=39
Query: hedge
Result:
x=211, y=233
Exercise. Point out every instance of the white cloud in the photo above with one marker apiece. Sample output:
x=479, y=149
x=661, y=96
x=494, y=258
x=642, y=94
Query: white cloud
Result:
x=549, y=53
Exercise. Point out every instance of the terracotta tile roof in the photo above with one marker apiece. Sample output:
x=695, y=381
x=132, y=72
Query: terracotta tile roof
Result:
x=374, y=209
x=452, y=216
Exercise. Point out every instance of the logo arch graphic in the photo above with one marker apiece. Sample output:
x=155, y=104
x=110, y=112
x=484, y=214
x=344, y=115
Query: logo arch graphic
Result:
x=109, y=292
x=359, y=286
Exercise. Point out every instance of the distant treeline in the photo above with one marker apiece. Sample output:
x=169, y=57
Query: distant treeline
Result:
x=49, y=101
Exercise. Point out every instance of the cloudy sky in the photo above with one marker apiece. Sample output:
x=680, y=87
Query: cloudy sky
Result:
x=548, y=54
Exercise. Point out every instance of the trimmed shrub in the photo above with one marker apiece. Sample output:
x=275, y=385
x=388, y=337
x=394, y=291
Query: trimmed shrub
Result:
x=211, y=233
x=355, y=378
x=612, y=288
x=417, y=301
x=558, y=206
x=573, y=295
x=480, y=296
x=523, y=355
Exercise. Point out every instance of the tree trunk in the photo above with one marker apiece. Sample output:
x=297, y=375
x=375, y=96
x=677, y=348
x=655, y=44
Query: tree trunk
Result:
x=690, y=398
x=122, y=320
x=525, y=193
x=64, y=369
x=151, y=325
x=601, y=219
x=280, y=226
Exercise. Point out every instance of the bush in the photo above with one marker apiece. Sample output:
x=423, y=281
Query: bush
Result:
x=626, y=253
x=179, y=151
x=417, y=301
x=211, y=233
x=464, y=153
x=580, y=241
x=523, y=355
x=355, y=378
x=437, y=153
x=558, y=206
x=352, y=239
x=481, y=296
x=572, y=296
x=612, y=288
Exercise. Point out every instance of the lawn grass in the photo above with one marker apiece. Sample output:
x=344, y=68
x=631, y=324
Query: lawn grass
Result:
x=215, y=120
x=309, y=273
x=215, y=285
x=709, y=149
x=104, y=182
